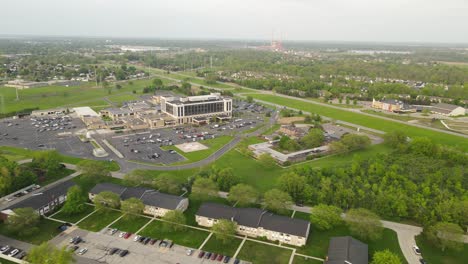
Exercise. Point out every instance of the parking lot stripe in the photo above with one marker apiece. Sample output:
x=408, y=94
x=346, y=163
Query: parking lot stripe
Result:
x=239, y=248
x=143, y=227
x=206, y=240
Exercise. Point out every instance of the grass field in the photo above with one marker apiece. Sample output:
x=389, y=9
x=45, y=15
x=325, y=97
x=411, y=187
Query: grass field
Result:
x=47, y=229
x=434, y=255
x=100, y=219
x=303, y=260
x=212, y=144
x=215, y=245
x=130, y=224
x=367, y=121
x=259, y=253
x=189, y=237
x=4, y=261
x=75, y=217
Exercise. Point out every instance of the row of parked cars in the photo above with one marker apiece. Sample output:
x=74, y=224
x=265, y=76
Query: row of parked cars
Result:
x=12, y=252
x=218, y=257
x=75, y=241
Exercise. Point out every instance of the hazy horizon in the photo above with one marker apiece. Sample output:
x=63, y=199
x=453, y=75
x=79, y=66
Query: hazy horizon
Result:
x=397, y=21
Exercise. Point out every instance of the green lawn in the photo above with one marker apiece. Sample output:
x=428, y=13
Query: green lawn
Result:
x=130, y=224
x=75, y=217
x=47, y=229
x=4, y=261
x=215, y=245
x=259, y=253
x=433, y=254
x=367, y=121
x=212, y=144
x=304, y=260
x=100, y=219
x=189, y=237
x=119, y=98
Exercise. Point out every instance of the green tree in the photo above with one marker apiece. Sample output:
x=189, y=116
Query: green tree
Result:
x=364, y=224
x=166, y=183
x=225, y=178
x=313, y=139
x=267, y=160
x=46, y=253
x=294, y=185
x=277, y=201
x=249, y=99
x=446, y=236
x=75, y=202
x=157, y=82
x=423, y=146
x=355, y=142
x=94, y=169
x=395, y=138
x=211, y=78
x=132, y=207
x=243, y=194
x=23, y=221
x=338, y=147
x=106, y=199
x=385, y=257
x=137, y=178
x=48, y=162
x=175, y=221
x=224, y=230
x=203, y=189
x=326, y=217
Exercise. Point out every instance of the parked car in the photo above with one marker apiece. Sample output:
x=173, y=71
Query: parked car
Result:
x=422, y=261
x=227, y=259
x=137, y=238
x=123, y=253
x=4, y=249
x=236, y=261
x=112, y=251
x=73, y=248
x=170, y=243
x=122, y=234
x=83, y=251
x=189, y=252
x=416, y=250
x=152, y=241
x=201, y=254
x=113, y=231
x=214, y=256
x=127, y=235
x=208, y=255
x=14, y=252
x=21, y=255
x=220, y=257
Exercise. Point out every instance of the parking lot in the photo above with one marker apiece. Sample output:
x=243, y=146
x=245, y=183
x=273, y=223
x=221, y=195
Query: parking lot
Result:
x=99, y=246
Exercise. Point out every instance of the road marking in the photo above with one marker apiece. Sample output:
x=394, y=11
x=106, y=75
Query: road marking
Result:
x=239, y=248
x=206, y=240
x=145, y=225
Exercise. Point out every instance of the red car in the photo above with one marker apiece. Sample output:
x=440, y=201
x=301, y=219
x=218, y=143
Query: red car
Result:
x=214, y=256
x=201, y=254
x=220, y=257
x=127, y=235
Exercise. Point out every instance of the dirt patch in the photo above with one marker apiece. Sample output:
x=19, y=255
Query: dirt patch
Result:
x=290, y=120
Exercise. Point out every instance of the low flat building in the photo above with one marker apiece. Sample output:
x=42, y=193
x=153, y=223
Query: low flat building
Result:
x=268, y=148
x=392, y=105
x=256, y=222
x=346, y=249
x=116, y=113
x=294, y=131
x=42, y=202
x=448, y=109
x=49, y=112
x=156, y=203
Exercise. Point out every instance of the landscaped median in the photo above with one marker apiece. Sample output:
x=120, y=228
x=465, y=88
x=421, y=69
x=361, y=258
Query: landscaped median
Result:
x=364, y=120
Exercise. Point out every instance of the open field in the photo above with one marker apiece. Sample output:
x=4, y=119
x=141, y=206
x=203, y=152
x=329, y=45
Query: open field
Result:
x=215, y=245
x=99, y=220
x=433, y=254
x=47, y=229
x=75, y=217
x=367, y=121
x=188, y=237
x=259, y=253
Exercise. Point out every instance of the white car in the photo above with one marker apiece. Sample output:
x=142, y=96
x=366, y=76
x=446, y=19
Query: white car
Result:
x=4, y=249
x=416, y=250
x=136, y=238
x=82, y=251
x=14, y=252
x=122, y=234
x=189, y=252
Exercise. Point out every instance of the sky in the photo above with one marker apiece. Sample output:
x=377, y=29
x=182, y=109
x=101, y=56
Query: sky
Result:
x=436, y=21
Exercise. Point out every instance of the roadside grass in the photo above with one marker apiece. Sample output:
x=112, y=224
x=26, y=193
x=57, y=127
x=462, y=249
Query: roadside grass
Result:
x=75, y=217
x=47, y=229
x=188, y=237
x=119, y=98
x=303, y=260
x=100, y=219
x=215, y=245
x=259, y=253
x=4, y=261
x=22, y=153
x=213, y=145
x=433, y=254
x=367, y=121
x=130, y=224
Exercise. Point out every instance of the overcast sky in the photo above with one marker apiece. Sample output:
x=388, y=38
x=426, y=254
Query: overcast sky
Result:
x=338, y=20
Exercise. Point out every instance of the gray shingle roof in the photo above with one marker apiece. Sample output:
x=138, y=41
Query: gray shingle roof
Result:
x=254, y=217
x=108, y=187
x=162, y=200
x=346, y=248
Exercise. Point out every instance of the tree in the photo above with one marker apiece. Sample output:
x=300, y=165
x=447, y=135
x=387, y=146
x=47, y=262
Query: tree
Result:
x=204, y=188
x=166, y=183
x=46, y=253
x=277, y=201
x=267, y=160
x=75, y=202
x=395, y=138
x=225, y=178
x=243, y=194
x=211, y=78
x=294, y=185
x=313, y=139
x=338, y=147
x=364, y=224
x=445, y=235
x=157, y=82
x=423, y=146
x=23, y=221
x=48, y=162
x=385, y=257
x=175, y=221
x=355, y=142
x=107, y=199
x=137, y=178
x=249, y=99
x=132, y=207
x=224, y=230
x=325, y=217
x=94, y=169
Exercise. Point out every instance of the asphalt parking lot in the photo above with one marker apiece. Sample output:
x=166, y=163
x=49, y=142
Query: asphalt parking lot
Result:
x=99, y=245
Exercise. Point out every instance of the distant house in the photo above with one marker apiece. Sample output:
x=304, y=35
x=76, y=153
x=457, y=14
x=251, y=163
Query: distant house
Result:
x=392, y=105
x=156, y=203
x=43, y=202
x=346, y=249
x=256, y=222
x=448, y=109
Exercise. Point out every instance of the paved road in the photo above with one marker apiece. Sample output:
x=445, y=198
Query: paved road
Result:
x=406, y=238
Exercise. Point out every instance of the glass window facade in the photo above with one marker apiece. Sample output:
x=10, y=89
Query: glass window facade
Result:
x=206, y=108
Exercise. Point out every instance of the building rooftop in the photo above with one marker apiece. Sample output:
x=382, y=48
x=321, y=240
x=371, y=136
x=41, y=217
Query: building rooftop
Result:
x=445, y=107
x=346, y=248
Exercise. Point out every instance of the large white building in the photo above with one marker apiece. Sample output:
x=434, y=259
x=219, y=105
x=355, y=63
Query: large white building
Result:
x=448, y=110
x=196, y=109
